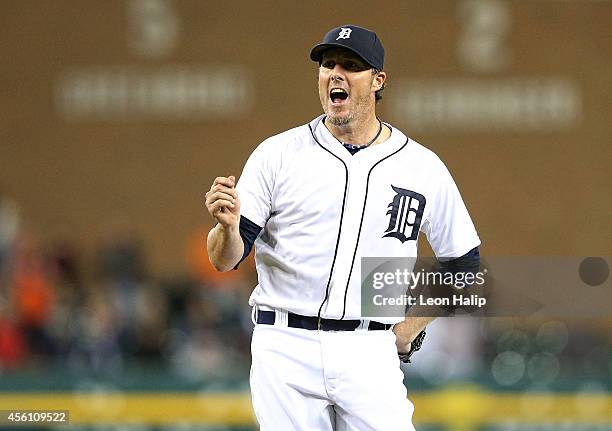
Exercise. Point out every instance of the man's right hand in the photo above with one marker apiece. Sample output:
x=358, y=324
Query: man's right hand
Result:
x=222, y=202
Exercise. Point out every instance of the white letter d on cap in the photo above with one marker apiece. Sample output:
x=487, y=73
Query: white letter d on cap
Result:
x=345, y=33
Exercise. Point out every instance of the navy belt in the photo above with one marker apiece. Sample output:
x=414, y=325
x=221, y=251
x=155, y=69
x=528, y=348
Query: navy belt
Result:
x=313, y=322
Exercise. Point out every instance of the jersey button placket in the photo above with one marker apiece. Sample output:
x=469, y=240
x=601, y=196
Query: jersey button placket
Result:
x=350, y=232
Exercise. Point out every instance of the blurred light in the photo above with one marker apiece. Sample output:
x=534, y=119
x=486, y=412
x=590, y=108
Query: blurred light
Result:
x=508, y=368
x=552, y=337
x=514, y=340
x=543, y=368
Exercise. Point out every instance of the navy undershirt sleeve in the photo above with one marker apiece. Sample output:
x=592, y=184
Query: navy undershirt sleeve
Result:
x=248, y=233
x=468, y=263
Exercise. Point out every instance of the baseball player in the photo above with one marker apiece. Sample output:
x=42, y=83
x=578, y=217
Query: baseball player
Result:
x=314, y=200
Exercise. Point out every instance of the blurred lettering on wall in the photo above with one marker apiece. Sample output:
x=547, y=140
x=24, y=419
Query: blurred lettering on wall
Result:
x=479, y=99
x=169, y=92
x=515, y=104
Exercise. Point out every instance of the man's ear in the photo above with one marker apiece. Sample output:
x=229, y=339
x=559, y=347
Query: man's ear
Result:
x=378, y=80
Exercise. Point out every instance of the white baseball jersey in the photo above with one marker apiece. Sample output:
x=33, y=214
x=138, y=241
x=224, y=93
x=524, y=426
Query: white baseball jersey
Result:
x=323, y=209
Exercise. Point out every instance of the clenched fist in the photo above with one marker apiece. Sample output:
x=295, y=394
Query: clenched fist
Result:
x=222, y=202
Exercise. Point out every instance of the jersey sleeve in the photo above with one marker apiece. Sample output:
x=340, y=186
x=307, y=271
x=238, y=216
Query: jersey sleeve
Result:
x=256, y=185
x=448, y=226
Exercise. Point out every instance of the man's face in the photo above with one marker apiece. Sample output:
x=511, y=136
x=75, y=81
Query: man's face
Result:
x=346, y=86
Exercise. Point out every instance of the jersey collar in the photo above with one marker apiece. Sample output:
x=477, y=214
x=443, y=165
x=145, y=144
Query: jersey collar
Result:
x=373, y=153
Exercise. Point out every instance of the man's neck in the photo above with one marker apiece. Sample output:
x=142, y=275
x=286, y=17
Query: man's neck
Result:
x=356, y=132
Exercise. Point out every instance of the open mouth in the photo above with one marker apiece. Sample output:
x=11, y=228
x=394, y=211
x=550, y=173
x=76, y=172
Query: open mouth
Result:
x=338, y=95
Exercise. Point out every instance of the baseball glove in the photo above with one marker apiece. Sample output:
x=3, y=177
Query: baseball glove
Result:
x=414, y=346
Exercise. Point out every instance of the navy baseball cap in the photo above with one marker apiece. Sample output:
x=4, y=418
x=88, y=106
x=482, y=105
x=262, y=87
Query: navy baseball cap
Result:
x=361, y=41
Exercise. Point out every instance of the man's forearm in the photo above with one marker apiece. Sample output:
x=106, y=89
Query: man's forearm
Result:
x=408, y=329
x=225, y=247
x=412, y=325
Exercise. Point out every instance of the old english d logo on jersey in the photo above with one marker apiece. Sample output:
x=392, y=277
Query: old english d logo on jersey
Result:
x=345, y=33
x=406, y=211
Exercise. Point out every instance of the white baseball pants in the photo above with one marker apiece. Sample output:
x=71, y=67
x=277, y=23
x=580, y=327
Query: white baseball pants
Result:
x=307, y=380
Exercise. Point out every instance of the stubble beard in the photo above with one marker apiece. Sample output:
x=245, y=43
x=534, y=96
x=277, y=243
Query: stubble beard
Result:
x=360, y=106
x=340, y=121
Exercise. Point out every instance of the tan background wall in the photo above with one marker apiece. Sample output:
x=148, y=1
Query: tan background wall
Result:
x=81, y=158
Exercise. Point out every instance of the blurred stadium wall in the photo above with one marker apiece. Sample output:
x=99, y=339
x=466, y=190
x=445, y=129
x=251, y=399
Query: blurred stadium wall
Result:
x=116, y=116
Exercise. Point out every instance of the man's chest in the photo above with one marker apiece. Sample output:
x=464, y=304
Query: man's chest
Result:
x=321, y=193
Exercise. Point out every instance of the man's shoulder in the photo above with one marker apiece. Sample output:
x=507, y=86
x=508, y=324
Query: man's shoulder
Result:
x=423, y=151
x=289, y=137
